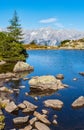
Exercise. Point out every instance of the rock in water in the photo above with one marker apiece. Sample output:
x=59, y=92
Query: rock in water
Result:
x=78, y=102
x=55, y=104
x=60, y=76
x=20, y=120
x=45, y=83
x=22, y=66
x=41, y=126
x=29, y=107
x=11, y=107
x=42, y=118
x=81, y=73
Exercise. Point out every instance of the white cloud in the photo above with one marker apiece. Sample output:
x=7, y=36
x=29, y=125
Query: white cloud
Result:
x=49, y=20
x=59, y=25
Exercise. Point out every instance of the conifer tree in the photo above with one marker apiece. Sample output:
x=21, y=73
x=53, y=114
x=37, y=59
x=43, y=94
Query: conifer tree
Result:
x=15, y=29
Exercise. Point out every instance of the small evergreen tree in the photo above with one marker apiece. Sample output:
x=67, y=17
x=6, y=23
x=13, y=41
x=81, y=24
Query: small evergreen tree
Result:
x=15, y=29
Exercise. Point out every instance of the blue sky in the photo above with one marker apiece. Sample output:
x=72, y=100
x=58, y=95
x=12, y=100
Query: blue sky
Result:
x=59, y=14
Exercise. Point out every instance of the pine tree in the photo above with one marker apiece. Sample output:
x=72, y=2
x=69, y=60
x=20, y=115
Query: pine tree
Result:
x=15, y=29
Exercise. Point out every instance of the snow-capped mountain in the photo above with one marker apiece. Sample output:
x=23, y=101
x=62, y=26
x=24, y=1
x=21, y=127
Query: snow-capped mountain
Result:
x=51, y=36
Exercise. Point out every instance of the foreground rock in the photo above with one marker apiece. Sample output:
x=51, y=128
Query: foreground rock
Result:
x=20, y=120
x=7, y=75
x=5, y=89
x=60, y=76
x=11, y=107
x=22, y=66
x=41, y=118
x=45, y=83
x=55, y=104
x=33, y=120
x=29, y=127
x=29, y=107
x=41, y=126
x=78, y=102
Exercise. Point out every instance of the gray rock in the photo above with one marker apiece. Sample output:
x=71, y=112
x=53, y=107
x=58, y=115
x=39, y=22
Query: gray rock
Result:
x=41, y=118
x=11, y=107
x=55, y=104
x=41, y=126
x=78, y=102
x=29, y=107
x=60, y=76
x=45, y=83
x=20, y=120
x=22, y=66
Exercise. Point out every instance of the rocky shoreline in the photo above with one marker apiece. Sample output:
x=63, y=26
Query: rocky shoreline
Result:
x=33, y=120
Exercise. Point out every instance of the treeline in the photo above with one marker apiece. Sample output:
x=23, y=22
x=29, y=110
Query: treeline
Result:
x=11, y=48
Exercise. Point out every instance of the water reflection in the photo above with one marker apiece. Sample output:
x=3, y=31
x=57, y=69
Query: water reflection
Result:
x=41, y=94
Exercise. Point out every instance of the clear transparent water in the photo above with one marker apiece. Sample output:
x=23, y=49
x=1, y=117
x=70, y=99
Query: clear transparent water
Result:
x=52, y=62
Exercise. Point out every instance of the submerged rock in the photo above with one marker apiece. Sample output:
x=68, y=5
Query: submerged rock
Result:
x=20, y=120
x=45, y=83
x=55, y=104
x=41, y=126
x=22, y=66
x=79, y=102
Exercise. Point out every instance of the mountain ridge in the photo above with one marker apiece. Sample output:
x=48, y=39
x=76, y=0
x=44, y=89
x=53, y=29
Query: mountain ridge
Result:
x=51, y=37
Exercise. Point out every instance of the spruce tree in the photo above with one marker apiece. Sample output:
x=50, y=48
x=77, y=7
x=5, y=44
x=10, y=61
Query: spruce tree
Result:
x=15, y=29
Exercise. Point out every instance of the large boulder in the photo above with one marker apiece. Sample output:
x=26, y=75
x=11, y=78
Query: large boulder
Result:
x=22, y=66
x=45, y=83
x=53, y=103
x=79, y=102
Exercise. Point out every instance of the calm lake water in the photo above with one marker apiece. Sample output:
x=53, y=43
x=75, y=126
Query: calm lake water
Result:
x=53, y=62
